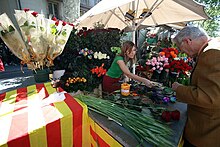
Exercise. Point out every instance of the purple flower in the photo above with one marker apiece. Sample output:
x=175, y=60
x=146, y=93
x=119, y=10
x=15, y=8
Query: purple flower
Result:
x=166, y=99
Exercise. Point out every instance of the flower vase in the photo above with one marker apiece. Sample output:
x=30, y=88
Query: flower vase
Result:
x=41, y=75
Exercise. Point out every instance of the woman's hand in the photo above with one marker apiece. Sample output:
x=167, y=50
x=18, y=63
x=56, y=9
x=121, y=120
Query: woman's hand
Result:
x=148, y=83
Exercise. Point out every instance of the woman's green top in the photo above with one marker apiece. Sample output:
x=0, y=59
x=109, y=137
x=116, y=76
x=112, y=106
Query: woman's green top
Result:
x=115, y=71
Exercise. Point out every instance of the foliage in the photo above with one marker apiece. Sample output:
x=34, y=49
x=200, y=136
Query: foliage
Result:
x=84, y=51
x=213, y=10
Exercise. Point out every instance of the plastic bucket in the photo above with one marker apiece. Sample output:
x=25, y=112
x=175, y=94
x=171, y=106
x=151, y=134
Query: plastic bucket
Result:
x=41, y=76
x=125, y=89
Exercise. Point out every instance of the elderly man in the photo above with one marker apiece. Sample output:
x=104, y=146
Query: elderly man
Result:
x=203, y=94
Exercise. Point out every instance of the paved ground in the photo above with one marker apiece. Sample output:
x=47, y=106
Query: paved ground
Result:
x=13, y=78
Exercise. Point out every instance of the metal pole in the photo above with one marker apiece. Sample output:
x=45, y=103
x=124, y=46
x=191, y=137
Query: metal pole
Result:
x=134, y=40
x=133, y=34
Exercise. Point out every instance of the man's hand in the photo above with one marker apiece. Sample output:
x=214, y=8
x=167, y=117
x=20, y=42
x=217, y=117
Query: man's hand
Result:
x=175, y=85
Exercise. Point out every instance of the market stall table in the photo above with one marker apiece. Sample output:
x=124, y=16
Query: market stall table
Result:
x=46, y=125
x=127, y=139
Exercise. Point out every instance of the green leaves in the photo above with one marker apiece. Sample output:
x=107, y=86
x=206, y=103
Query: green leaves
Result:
x=116, y=49
x=42, y=29
x=212, y=8
x=25, y=24
x=10, y=29
x=54, y=30
x=64, y=33
x=143, y=127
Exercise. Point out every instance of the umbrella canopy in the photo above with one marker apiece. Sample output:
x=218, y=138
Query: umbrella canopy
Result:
x=133, y=13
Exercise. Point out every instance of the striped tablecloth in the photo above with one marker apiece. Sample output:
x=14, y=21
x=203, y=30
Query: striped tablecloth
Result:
x=26, y=121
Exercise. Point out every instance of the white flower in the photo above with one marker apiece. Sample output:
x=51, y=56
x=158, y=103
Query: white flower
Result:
x=95, y=55
x=99, y=55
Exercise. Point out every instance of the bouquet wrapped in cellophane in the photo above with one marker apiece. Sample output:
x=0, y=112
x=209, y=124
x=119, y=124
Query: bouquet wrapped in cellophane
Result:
x=12, y=39
x=42, y=39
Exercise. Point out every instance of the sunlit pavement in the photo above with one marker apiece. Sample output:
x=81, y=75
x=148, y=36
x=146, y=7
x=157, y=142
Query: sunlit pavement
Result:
x=13, y=78
x=13, y=83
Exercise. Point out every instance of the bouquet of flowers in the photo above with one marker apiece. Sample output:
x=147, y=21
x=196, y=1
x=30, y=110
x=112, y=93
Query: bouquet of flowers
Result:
x=12, y=39
x=157, y=63
x=157, y=66
x=44, y=39
x=179, y=71
x=170, y=53
x=179, y=66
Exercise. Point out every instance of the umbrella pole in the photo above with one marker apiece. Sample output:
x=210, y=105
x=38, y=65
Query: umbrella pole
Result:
x=134, y=40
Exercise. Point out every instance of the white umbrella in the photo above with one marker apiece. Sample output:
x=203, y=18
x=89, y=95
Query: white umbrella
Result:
x=114, y=13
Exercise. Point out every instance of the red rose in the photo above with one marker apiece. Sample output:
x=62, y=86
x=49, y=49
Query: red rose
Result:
x=26, y=9
x=71, y=24
x=54, y=19
x=175, y=115
x=57, y=23
x=166, y=116
x=34, y=14
x=64, y=23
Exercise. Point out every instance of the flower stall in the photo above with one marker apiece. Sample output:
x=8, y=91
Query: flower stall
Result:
x=85, y=55
x=90, y=61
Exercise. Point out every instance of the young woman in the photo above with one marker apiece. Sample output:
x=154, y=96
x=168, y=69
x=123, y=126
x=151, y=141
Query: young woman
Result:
x=118, y=68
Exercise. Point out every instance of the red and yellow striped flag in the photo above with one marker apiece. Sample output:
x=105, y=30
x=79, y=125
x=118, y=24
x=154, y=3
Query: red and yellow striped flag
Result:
x=25, y=121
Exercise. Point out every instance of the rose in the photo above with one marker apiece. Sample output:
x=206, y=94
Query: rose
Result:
x=158, y=63
x=54, y=19
x=179, y=66
x=26, y=9
x=64, y=23
x=166, y=116
x=175, y=115
x=34, y=14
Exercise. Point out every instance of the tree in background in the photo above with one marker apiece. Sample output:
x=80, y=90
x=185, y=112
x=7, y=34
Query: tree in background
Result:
x=212, y=25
